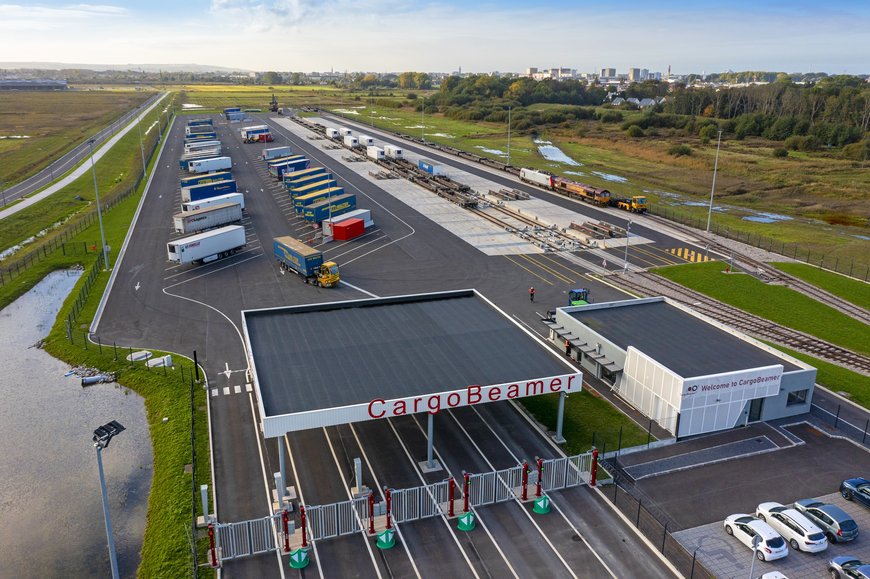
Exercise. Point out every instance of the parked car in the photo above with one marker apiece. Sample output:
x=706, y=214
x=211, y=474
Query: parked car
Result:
x=857, y=489
x=800, y=532
x=837, y=525
x=745, y=527
x=848, y=567
x=772, y=575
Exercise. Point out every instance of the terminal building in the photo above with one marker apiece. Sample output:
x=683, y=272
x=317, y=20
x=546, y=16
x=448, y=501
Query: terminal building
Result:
x=688, y=373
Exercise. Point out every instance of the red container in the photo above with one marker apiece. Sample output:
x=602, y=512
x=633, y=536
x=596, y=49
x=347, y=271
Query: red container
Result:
x=348, y=229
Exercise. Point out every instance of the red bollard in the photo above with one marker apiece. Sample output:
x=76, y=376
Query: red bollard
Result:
x=540, y=477
x=284, y=520
x=467, y=485
x=452, y=493
x=211, y=547
x=525, y=480
x=594, y=467
x=387, y=493
x=371, y=513
x=304, y=527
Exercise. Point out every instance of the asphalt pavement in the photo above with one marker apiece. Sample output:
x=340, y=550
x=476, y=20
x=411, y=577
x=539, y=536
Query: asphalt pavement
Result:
x=183, y=308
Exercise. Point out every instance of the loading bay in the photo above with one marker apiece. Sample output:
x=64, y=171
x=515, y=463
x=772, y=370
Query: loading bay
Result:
x=186, y=308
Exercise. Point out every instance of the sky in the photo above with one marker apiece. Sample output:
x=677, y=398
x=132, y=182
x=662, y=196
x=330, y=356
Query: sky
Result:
x=443, y=35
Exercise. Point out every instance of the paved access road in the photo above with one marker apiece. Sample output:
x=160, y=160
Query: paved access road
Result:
x=182, y=308
x=70, y=159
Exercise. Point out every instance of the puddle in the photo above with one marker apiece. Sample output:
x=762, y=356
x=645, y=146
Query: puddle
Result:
x=14, y=136
x=498, y=152
x=864, y=237
x=50, y=482
x=578, y=173
x=442, y=135
x=762, y=217
x=347, y=111
x=191, y=106
x=610, y=177
x=553, y=153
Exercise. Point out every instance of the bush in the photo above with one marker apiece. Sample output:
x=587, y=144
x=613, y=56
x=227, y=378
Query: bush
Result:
x=858, y=151
x=412, y=96
x=680, y=150
x=634, y=131
x=780, y=152
x=708, y=132
x=611, y=117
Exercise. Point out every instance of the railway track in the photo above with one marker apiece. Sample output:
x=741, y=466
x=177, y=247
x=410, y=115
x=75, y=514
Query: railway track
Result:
x=772, y=275
x=646, y=284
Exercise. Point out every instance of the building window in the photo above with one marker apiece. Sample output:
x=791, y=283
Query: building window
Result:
x=797, y=397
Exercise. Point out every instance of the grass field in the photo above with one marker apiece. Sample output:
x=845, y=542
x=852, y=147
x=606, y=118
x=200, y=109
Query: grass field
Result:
x=54, y=122
x=166, y=551
x=854, y=386
x=116, y=171
x=776, y=303
x=851, y=290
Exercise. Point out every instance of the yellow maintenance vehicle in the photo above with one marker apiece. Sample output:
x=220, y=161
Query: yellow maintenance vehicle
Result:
x=295, y=256
x=635, y=204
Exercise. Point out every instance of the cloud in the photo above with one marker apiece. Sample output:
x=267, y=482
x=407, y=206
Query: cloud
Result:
x=17, y=18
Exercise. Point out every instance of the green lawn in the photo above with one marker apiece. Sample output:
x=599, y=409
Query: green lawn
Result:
x=836, y=378
x=776, y=303
x=588, y=418
x=852, y=290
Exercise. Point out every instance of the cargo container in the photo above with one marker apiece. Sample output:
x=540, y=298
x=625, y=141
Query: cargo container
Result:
x=197, y=122
x=206, y=178
x=275, y=152
x=313, y=197
x=278, y=171
x=232, y=110
x=365, y=141
x=351, y=141
x=207, y=246
x=344, y=131
x=295, y=256
x=430, y=167
x=237, y=117
x=364, y=214
x=294, y=186
x=333, y=133
x=207, y=217
x=393, y=152
x=348, y=229
x=210, y=164
x=212, y=201
x=326, y=209
x=206, y=190
x=375, y=153
x=537, y=177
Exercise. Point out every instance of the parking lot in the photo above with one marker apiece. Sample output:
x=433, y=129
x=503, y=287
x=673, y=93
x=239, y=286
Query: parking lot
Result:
x=727, y=557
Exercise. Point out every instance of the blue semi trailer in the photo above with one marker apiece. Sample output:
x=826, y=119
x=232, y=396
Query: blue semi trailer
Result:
x=206, y=178
x=324, y=210
x=207, y=190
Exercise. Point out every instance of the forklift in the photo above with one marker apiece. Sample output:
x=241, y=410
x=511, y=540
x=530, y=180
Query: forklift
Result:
x=578, y=297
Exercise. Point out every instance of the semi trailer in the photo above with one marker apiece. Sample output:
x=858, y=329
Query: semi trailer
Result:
x=307, y=262
x=207, y=246
x=207, y=218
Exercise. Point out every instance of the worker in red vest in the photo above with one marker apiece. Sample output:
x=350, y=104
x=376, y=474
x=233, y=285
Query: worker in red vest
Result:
x=531, y=294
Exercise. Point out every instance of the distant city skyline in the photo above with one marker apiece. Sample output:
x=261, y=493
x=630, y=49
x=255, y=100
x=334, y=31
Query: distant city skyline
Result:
x=478, y=35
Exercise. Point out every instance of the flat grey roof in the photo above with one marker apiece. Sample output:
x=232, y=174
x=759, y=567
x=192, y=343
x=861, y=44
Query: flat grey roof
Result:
x=345, y=353
x=683, y=343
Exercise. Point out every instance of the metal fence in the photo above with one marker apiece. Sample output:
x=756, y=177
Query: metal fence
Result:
x=337, y=519
x=247, y=538
x=419, y=502
x=495, y=487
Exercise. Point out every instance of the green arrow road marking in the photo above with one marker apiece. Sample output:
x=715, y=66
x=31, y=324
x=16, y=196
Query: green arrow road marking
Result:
x=299, y=559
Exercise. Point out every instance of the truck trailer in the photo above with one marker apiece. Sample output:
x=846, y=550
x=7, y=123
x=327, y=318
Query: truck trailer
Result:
x=275, y=152
x=315, y=193
x=295, y=256
x=375, y=153
x=365, y=141
x=430, y=167
x=333, y=134
x=207, y=246
x=207, y=217
x=319, y=212
x=201, y=144
x=210, y=164
x=186, y=158
x=206, y=178
x=393, y=152
x=294, y=186
x=206, y=190
x=351, y=141
x=278, y=170
x=198, y=122
x=212, y=201
x=296, y=175
x=365, y=215
x=344, y=131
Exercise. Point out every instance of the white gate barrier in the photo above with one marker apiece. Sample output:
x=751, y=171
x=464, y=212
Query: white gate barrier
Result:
x=247, y=538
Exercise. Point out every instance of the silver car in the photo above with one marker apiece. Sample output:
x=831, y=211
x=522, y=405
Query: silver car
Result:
x=837, y=525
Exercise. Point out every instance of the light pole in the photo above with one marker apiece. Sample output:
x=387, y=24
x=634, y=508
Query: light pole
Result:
x=713, y=190
x=509, y=136
x=756, y=540
x=423, y=121
x=102, y=436
x=141, y=146
x=99, y=212
x=627, y=234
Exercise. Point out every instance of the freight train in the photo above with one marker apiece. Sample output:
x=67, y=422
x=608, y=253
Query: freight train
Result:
x=594, y=195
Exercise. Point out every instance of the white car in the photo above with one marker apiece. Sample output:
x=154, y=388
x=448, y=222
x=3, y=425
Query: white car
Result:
x=800, y=532
x=745, y=527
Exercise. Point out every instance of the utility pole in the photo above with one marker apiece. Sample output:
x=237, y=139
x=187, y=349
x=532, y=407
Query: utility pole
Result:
x=141, y=146
x=627, y=234
x=713, y=190
x=99, y=212
x=509, y=135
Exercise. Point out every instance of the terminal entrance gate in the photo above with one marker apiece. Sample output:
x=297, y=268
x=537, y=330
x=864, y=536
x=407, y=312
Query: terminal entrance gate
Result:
x=319, y=522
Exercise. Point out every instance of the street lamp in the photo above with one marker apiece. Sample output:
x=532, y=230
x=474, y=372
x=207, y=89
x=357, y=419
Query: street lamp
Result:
x=756, y=540
x=141, y=146
x=627, y=234
x=99, y=212
x=509, y=136
x=102, y=436
x=715, y=166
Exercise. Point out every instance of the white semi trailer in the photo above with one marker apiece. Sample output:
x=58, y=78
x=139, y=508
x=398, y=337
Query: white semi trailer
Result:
x=207, y=246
